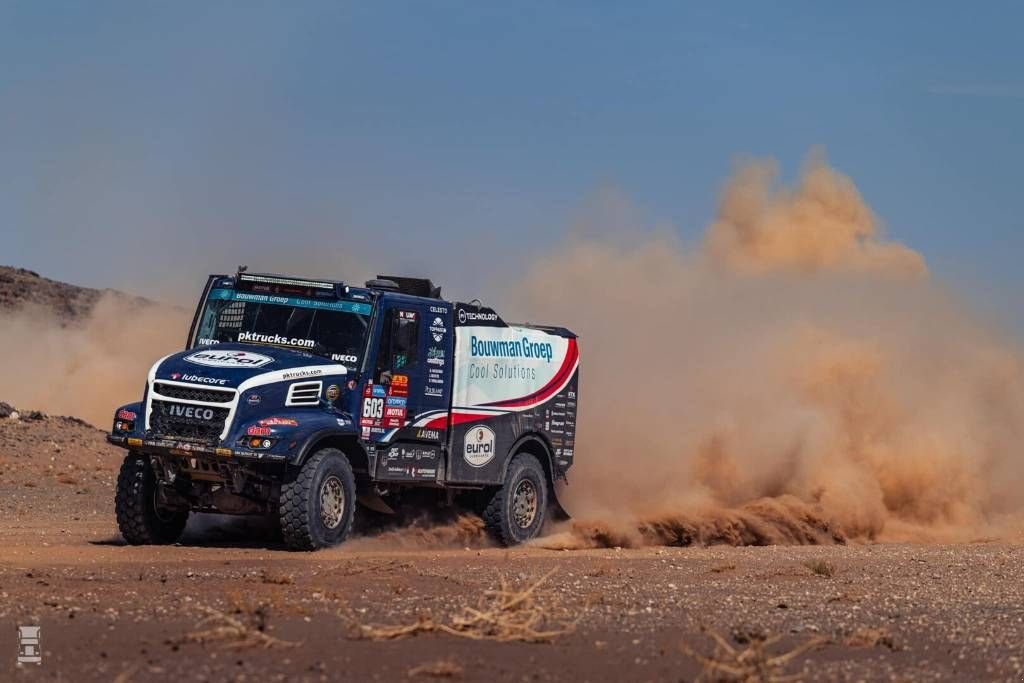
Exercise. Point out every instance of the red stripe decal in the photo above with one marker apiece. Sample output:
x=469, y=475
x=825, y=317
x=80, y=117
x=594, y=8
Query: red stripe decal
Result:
x=459, y=418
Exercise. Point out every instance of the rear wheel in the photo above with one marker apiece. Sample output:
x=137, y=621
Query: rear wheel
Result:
x=517, y=511
x=318, y=503
x=141, y=516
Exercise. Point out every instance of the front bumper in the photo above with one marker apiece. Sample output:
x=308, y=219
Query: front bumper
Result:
x=171, y=447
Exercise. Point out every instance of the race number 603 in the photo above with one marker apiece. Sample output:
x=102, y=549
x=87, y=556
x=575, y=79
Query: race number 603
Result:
x=373, y=408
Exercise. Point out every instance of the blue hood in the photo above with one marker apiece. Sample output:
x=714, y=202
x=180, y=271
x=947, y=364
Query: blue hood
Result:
x=228, y=365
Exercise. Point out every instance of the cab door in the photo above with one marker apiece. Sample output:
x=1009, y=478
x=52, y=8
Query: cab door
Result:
x=405, y=400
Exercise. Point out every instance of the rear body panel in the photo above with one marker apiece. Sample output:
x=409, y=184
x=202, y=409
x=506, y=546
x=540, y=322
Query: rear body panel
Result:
x=509, y=381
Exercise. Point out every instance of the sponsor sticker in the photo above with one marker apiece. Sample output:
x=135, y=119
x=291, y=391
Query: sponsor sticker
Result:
x=298, y=374
x=229, y=359
x=399, y=385
x=433, y=391
x=198, y=379
x=429, y=434
x=333, y=392
x=279, y=422
x=397, y=401
x=438, y=329
x=503, y=348
x=276, y=339
x=476, y=316
x=478, y=446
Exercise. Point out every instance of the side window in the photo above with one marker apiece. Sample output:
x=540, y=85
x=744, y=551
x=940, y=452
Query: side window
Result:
x=399, y=341
x=404, y=339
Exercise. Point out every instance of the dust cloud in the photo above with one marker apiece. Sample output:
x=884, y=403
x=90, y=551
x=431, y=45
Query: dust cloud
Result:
x=793, y=378
x=433, y=529
x=87, y=367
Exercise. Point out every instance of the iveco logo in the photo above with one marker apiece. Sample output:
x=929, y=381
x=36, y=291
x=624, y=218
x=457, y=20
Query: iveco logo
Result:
x=193, y=412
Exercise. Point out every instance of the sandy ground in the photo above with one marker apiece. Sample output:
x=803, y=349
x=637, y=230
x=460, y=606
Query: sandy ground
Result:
x=112, y=612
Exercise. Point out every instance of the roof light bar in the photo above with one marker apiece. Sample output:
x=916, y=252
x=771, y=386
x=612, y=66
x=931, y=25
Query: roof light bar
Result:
x=276, y=280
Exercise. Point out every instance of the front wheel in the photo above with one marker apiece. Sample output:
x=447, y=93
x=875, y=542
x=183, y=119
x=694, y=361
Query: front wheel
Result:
x=516, y=512
x=318, y=503
x=141, y=516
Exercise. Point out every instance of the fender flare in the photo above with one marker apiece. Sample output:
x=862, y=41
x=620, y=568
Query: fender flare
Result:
x=542, y=442
x=306, y=448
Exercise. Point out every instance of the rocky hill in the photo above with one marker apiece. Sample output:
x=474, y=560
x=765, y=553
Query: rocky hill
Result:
x=20, y=287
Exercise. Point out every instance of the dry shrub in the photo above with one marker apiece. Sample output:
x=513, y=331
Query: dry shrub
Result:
x=503, y=614
x=442, y=668
x=871, y=637
x=821, y=568
x=753, y=664
x=246, y=630
x=276, y=578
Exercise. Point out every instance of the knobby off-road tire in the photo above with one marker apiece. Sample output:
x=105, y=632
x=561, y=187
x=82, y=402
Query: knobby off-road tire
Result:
x=517, y=511
x=318, y=502
x=140, y=517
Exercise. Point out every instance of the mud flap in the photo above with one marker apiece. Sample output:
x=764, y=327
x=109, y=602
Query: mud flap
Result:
x=370, y=499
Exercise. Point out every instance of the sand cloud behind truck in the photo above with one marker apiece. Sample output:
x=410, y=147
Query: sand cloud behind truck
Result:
x=794, y=377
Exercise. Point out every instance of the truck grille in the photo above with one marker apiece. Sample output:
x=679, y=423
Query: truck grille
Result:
x=194, y=393
x=187, y=421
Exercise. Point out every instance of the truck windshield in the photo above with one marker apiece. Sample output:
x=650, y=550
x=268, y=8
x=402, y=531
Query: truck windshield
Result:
x=333, y=328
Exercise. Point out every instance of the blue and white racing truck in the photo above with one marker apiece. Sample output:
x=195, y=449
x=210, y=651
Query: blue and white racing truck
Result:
x=296, y=398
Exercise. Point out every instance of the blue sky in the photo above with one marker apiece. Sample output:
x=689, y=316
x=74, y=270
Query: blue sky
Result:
x=143, y=144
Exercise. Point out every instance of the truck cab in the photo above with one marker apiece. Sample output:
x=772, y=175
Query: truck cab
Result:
x=295, y=397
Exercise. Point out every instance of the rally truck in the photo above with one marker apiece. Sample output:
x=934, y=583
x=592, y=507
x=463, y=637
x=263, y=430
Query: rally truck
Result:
x=296, y=398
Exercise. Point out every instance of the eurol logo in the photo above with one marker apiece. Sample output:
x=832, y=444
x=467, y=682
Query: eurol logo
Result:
x=478, y=446
x=229, y=359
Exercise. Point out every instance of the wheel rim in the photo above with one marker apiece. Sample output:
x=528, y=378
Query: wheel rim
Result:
x=332, y=502
x=524, y=504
